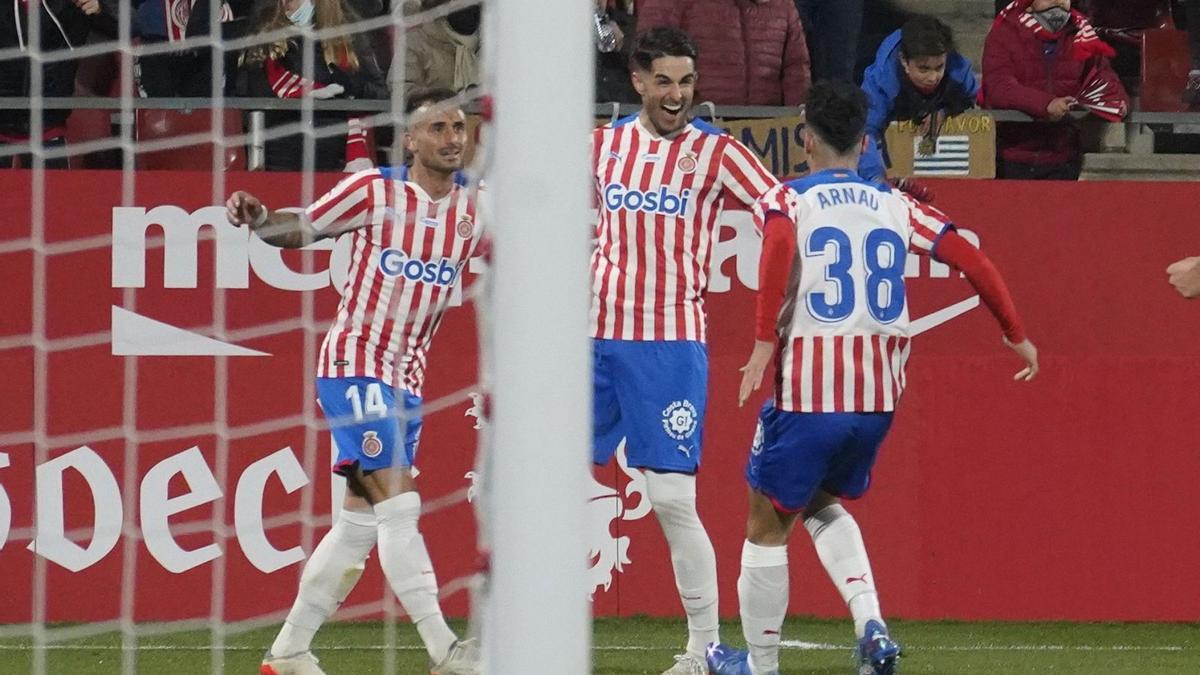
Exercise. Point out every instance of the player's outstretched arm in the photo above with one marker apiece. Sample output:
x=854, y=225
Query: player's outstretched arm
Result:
x=957, y=252
x=277, y=228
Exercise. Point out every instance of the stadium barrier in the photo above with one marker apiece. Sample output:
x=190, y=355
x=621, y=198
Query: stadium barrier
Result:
x=1067, y=498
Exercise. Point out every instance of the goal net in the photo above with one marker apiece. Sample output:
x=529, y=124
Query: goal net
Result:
x=164, y=466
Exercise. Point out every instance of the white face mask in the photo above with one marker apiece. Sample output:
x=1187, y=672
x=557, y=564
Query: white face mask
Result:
x=303, y=15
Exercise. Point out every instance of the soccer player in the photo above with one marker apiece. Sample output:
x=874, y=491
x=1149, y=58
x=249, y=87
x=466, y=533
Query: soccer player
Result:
x=832, y=312
x=661, y=180
x=410, y=240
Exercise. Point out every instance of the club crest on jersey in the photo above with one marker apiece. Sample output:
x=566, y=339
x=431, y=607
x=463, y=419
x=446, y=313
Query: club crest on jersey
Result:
x=680, y=420
x=465, y=227
x=371, y=445
x=663, y=202
x=395, y=263
x=686, y=163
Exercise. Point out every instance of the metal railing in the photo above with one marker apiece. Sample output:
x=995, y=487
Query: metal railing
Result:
x=379, y=113
x=384, y=106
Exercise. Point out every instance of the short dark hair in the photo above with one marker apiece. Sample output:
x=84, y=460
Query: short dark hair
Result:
x=837, y=113
x=424, y=97
x=924, y=35
x=662, y=41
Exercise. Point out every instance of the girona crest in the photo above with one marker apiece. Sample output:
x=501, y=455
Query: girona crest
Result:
x=608, y=553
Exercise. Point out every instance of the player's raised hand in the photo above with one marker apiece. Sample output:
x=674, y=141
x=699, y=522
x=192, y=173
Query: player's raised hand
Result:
x=243, y=208
x=752, y=372
x=1028, y=352
x=1184, y=275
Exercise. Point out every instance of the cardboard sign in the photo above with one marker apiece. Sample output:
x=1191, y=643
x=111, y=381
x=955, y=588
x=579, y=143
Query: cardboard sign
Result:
x=776, y=141
x=965, y=146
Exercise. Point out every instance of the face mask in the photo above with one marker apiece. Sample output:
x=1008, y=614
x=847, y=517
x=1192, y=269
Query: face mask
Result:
x=1053, y=19
x=465, y=21
x=303, y=15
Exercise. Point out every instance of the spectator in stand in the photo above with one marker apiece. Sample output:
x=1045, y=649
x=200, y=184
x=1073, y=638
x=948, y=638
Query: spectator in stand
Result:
x=752, y=52
x=344, y=66
x=183, y=72
x=833, y=27
x=1191, y=94
x=1035, y=60
x=614, y=36
x=65, y=24
x=918, y=76
x=444, y=53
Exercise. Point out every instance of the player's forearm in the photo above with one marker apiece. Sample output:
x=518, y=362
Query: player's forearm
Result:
x=957, y=252
x=774, y=270
x=285, y=230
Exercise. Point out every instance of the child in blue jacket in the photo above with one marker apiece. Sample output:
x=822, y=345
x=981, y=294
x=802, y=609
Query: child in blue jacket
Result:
x=918, y=76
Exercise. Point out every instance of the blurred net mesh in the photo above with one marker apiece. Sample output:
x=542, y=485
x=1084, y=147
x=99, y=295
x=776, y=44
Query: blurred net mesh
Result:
x=45, y=244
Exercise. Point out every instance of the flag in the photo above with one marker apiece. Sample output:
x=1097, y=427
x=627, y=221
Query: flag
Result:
x=950, y=156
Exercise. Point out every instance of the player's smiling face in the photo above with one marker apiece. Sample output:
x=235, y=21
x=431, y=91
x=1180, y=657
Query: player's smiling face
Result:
x=667, y=90
x=438, y=138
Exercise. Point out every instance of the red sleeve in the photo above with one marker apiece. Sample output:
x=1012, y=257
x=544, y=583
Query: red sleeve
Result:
x=957, y=252
x=774, y=270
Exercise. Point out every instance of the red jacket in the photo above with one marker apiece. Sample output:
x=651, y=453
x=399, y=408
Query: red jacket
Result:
x=752, y=52
x=1021, y=72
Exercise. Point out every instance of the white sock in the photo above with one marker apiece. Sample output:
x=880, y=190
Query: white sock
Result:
x=673, y=497
x=763, y=599
x=329, y=574
x=409, y=571
x=839, y=544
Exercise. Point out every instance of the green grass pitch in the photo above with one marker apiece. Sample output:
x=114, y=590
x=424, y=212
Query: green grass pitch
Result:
x=645, y=646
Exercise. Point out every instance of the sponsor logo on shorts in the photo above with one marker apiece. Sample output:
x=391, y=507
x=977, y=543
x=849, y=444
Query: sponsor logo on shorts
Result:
x=371, y=445
x=756, y=447
x=680, y=420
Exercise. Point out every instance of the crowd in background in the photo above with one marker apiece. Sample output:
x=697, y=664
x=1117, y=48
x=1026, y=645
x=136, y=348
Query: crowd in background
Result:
x=1038, y=57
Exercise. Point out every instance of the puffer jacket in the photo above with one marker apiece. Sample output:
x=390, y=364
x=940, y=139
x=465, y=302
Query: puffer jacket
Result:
x=436, y=56
x=752, y=52
x=63, y=26
x=1022, y=72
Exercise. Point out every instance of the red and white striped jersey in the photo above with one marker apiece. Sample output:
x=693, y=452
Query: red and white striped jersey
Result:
x=658, y=203
x=843, y=327
x=407, y=253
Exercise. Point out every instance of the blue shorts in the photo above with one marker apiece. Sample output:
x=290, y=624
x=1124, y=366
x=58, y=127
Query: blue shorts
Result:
x=366, y=422
x=653, y=394
x=794, y=454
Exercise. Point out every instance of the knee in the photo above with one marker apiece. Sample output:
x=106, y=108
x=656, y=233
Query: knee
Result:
x=765, y=533
x=672, y=496
x=818, y=522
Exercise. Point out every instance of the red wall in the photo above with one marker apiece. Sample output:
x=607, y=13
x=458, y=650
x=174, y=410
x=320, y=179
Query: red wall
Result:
x=1066, y=498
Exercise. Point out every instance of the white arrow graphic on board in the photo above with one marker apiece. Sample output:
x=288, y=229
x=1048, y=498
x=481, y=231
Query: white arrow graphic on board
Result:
x=137, y=335
x=930, y=321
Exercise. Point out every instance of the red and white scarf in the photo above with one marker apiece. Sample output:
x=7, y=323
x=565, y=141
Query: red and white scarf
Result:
x=1084, y=43
x=287, y=84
